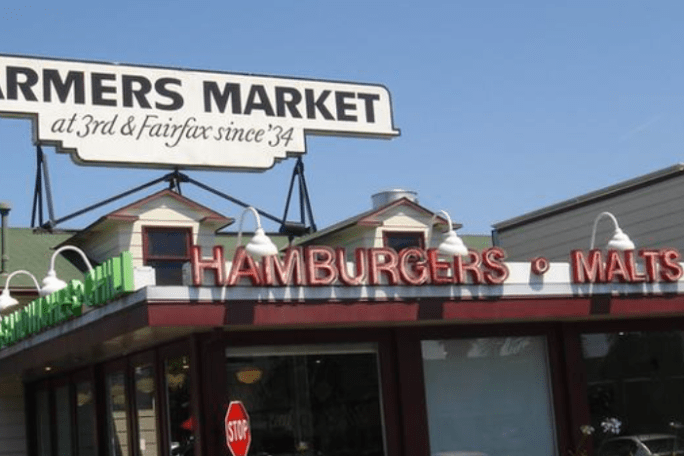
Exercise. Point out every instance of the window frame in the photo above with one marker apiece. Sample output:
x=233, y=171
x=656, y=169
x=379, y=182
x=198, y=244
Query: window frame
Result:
x=388, y=234
x=413, y=393
x=146, y=244
x=214, y=375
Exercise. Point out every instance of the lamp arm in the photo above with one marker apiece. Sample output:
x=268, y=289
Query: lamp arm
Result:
x=21, y=271
x=593, y=231
x=75, y=249
x=432, y=221
x=242, y=218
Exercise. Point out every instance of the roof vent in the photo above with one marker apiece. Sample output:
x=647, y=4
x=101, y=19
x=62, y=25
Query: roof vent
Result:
x=389, y=196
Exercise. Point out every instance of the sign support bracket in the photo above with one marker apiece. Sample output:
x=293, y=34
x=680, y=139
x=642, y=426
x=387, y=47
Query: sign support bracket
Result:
x=174, y=179
x=42, y=173
x=298, y=228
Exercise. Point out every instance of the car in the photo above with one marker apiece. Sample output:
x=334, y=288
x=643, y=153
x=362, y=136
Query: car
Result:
x=642, y=445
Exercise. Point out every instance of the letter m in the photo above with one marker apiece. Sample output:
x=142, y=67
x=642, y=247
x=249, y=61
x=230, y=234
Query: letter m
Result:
x=587, y=270
x=220, y=98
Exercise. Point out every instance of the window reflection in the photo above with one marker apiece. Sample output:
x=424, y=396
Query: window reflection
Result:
x=145, y=409
x=117, y=427
x=636, y=379
x=309, y=401
x=180, y=421
x=488, y=397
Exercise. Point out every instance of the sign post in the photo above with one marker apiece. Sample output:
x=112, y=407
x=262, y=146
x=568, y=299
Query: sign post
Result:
x=238, y=432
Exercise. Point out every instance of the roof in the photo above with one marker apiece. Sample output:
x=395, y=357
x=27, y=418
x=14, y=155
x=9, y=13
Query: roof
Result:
x=31, y=251
x=372, y=217
x=477, y=242
x=593, y=197
x=127, y=214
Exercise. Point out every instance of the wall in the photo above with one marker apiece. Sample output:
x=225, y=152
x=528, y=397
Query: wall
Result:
x=651, y=215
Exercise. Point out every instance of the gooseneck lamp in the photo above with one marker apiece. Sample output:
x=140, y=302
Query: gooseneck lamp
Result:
x=452, y=244
x=260, y=245
x=619, y=241
x=51, y=282
x=6, y=300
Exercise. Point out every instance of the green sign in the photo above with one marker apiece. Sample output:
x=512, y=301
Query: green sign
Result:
x=107, y=281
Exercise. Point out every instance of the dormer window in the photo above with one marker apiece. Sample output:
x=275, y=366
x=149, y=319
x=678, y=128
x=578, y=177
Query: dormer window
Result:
x=400, y=240
x=166, y=250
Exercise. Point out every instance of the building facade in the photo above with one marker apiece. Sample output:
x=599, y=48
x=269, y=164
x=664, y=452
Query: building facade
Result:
x=360, y=339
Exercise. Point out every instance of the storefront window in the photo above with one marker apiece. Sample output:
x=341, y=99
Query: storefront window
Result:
x=145, y=409
x=635, y=391
x=117, y=417
x=489, y=397
x=181, y=423
x=309, y=400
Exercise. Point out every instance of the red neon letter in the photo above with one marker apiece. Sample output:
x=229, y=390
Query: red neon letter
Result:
x=361, y=266
x=587, y=269
x=649, y=257
x=412, y=266
x=671, y=270
x=439, y=270
x=199, y=265
x=285, y=272
x=473, y=267
x=389, y=266
x=243, y=266
x=493, y=260
x=320, y=265
x=616, y=267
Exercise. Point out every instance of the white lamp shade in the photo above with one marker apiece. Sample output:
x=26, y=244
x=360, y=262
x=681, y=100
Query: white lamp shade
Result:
x=620, y=241
x=261, y=245
x=453, y=245
x=7, y=301
x=51, y=283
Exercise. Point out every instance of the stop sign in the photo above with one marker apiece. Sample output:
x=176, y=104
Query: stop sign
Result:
x=238, y=433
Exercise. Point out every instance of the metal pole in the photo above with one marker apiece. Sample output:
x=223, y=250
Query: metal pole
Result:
x=48, y=189
x=4, y=212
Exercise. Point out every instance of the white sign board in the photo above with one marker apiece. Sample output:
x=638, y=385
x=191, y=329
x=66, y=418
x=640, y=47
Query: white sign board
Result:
x=143, y=116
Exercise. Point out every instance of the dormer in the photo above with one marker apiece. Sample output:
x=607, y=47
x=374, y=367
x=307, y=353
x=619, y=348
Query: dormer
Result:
x=396, y=220
x=158, y=231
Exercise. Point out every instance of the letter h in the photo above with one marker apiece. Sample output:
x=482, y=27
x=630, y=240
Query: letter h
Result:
x=199, y=265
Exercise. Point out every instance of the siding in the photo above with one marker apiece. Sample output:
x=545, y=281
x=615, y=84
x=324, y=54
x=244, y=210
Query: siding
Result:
x=652, y=216
x=12, y=418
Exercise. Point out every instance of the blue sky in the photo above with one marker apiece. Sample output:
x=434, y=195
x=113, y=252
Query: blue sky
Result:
x=504, y=107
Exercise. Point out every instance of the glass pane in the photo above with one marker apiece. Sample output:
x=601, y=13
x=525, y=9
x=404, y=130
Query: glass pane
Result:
x=43, y=422
x=85, y=419
x=325, y=403
x=167, y=243
x=168, y=272
x=146, y=409
x=180, y=420
x=635, y=390
x=117, y=418
x=489, y=396
x=401, y=241
x=63, y=411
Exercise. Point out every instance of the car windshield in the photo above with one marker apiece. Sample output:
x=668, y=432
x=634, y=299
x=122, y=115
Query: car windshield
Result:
x=664, y=445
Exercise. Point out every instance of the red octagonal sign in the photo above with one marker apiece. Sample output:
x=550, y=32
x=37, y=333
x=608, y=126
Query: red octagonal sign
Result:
x=238, y=432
